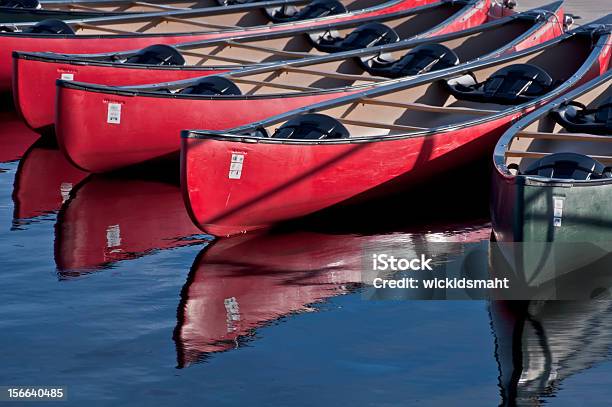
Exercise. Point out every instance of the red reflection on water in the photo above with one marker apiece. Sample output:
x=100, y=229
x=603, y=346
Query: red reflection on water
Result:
x=241, y=283
x=43, y=181
x=15, y=136
x=119, y=217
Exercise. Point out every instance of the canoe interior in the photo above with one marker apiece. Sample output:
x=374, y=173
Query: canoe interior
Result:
x=177, y=24
x=431, y=105
x=245, y=51
x=349, y=72
x=280, y=49
x=545, y=136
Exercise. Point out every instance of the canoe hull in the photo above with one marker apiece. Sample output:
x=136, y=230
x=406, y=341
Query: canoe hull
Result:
x=90, y=142
x=532, y=244
x=34, y=90
x=282, y=181
x=93, y=44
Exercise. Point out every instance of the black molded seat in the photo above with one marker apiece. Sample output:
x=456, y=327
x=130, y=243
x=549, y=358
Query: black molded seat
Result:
x=28, y=4
x=422, y=59
x=510, y=85
x=575, y=117
x=369, y=35
x=50, y=26
x=316, y=9
x=569, y=166
x=212, y=85
x=312, y=126
x=158, y=54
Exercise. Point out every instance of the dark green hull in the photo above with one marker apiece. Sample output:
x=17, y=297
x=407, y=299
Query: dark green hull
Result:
x=546, y=230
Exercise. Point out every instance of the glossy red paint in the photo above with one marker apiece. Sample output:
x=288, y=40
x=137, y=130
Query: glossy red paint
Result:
x=92, y=143
x=117, y=218
x=34, y=88
x=91, y=44
x=150, y=127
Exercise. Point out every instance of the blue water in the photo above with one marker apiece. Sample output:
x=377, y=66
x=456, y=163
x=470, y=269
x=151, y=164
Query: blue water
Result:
x=153, y=318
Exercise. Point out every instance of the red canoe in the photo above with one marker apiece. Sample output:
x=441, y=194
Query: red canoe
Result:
x=239, y=284
x=35, y=74
x=43, y=181
x=107, y=146
x=139, y=31
x=376, y=142
x=109, y=219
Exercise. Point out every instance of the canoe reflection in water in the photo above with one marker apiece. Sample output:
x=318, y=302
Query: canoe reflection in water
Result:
x=244, y=282
x=121, y=217
x=15, y=136
x=541, y=343
x=43, y=182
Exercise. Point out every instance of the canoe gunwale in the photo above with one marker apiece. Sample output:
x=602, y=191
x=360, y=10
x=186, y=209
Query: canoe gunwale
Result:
x=499, y=153
x=577, y=76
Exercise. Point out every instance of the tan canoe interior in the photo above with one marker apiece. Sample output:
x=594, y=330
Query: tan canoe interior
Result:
x=202, y=23
x=431, y=105
x=349, y=72
x=545, y=136
x=246, y=51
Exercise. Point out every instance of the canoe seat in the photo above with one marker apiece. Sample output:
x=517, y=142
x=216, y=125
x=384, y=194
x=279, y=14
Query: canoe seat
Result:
x=510, y=85
x=50, y=26
x=368, y=35
x=211, y=86
x=27, y=4
x=316, y=9
x=158, y=54
x=422, y=59
x=569, y=166
x=575, y=117
x=312, y=126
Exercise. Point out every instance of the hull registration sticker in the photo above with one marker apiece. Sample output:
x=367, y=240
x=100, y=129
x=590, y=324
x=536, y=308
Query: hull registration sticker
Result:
x=113, y=115
x=235, y=171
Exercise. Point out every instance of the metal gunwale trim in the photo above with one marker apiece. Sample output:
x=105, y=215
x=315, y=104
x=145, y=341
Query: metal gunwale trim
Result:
x=144, y=17
x=227, y=136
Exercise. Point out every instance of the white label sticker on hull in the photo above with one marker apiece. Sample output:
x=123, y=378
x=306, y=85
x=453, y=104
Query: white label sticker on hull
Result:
x=113, y=236
x=67, y=76
x=557, y=210
x=65, y=189
x=235, y=171
x=113, y=115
